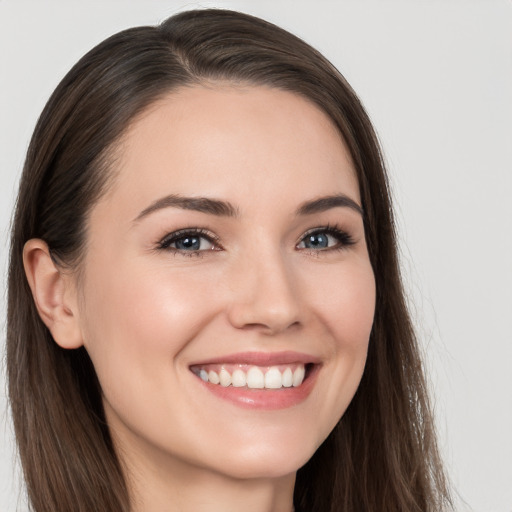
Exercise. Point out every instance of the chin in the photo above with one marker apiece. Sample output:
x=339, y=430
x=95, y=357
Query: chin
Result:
x=269, y=460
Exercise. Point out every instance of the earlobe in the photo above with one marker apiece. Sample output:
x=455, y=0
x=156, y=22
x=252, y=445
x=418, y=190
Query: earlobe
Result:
x=54, y=294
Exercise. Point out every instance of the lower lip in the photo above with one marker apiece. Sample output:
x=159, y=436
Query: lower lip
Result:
x=265, y=399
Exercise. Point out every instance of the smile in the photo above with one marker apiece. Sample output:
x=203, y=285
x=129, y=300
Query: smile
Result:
x=252, y=377
x=255, y=380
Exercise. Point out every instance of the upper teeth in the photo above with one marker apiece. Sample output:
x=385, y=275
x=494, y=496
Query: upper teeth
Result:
x=254, y=377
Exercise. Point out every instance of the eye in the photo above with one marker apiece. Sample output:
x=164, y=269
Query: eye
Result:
x=322, y=239
x=192, y=241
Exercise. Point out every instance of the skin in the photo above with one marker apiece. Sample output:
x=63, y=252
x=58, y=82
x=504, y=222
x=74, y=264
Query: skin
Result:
x=146, y=313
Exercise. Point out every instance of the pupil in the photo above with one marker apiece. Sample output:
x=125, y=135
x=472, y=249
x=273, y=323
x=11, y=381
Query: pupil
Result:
x=188, y=242
x=316, y=241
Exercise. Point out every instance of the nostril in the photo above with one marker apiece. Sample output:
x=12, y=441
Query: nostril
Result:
x=270, y=328
x=262, y=317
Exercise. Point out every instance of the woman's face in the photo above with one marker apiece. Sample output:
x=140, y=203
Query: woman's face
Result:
x=231, y=248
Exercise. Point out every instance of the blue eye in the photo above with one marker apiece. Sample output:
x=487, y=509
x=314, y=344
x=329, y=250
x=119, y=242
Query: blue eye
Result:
x=316, y=241
x=188, y=241
x=325, y=238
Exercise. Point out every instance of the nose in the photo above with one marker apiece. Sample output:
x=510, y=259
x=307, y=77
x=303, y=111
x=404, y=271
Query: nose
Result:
x=264, y=296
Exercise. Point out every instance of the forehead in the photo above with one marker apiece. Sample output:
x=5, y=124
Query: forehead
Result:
x=228, y=140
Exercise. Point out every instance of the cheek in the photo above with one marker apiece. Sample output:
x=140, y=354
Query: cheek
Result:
x=132, y=298
x=346, y=305
x=345, y=309
x=352, y=325
x=137, y=320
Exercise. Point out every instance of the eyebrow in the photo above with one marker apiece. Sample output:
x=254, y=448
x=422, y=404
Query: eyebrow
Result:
x=323, y=204
x=198, y=204
x=226, y=209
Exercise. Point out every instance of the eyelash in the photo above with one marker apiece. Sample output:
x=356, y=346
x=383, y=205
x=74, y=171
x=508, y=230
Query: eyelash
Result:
x=344, y=240
x=171, y=238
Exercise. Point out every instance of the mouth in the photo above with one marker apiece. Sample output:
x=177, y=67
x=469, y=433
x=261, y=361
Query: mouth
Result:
x=261, y=381
x=253, y=377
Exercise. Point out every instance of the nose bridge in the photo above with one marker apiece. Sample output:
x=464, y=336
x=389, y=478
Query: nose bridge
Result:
x=264, y=291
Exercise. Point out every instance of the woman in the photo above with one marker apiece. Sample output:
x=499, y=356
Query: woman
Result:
x=205, y=309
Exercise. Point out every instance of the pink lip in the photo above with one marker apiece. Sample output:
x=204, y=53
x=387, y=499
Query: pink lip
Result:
x=261, y=358
x=268, y=399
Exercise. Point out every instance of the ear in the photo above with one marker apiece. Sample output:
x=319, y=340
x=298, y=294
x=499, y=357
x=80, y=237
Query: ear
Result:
x=54, y=294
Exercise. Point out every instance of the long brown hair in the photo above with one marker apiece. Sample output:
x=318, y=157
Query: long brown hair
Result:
x=382, y=455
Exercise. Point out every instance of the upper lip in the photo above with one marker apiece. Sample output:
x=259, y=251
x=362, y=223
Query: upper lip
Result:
x=262, y=358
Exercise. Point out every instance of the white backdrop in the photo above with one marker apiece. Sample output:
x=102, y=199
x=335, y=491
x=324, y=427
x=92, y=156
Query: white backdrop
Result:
x=436, y=78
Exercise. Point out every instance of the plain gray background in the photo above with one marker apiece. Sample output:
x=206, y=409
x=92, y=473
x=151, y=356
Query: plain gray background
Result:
x=436, y=78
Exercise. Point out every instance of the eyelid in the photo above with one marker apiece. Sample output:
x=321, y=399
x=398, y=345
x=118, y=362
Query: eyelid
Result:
x=345, y=239
x=171, y=237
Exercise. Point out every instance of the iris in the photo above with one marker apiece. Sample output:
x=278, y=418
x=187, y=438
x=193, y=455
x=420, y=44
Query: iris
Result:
x=316, y=241
x=188, y=243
